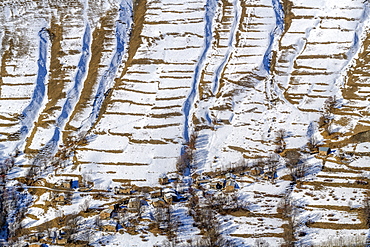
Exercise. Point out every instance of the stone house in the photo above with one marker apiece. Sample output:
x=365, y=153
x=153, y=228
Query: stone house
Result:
x=163, y=179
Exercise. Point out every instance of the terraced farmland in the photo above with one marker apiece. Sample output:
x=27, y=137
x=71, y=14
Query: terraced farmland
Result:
x=121, y=91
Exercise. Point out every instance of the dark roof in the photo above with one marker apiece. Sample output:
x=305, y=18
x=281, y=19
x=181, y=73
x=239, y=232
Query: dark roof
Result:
x=325, y=149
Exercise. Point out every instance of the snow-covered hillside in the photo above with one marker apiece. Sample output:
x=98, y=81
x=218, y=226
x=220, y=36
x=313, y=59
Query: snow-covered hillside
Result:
x=117, y=93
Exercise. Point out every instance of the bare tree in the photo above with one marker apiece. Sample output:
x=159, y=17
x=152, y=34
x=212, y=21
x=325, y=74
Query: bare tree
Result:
x=72, y=224
x=32, y=174
x=330, y=104
x=366, y=209
x=86, y=180
x=287, y=209
x=279, y=139
x=326, y=118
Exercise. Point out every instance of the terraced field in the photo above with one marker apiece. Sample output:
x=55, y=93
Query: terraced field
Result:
x=120, y=88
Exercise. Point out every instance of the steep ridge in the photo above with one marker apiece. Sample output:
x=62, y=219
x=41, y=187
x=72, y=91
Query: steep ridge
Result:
x=64, y=52
x=355, y=90
x=22, y=60
x=315, y=29
x=241, y=90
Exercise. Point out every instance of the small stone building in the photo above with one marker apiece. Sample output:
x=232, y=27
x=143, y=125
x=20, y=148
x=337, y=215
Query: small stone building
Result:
x=61, y=241
x=255, y=171
x=66, y=184
x=59, y=198
x=163, y=179
x=134, y=204
x=230, y=186
x=34, y=245
x=123, y=191
x=216, y=185
x=324, y=151
x=156, y=194
x=109, y=227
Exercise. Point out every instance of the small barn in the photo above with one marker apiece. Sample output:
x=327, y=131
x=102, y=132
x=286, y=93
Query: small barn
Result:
x=324, y=151
x=59, y=198
x=123, y=191
x=109, y=227
x=203, y=180
x=255, y=171
x=173, y=177
x=61, y=241
x=156, y=194
x=230, y=176
x=34, y=245
x=66, y=184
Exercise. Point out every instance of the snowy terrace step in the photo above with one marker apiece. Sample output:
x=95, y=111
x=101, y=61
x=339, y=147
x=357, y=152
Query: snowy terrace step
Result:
x=328, y=207
x=312, y=30
x=228, y=82
x=356, y=87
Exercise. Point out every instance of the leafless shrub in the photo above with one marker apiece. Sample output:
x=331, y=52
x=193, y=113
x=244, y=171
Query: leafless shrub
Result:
x=86, y=180
x=168, y=221
x=280, y=135
x=32, y=174
x=261, y=243
x=312, y=143
x=296, y=165
x=192, y=141
x=330, y=104
x=353, y=241
x=326, y=118
x=85, y=206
